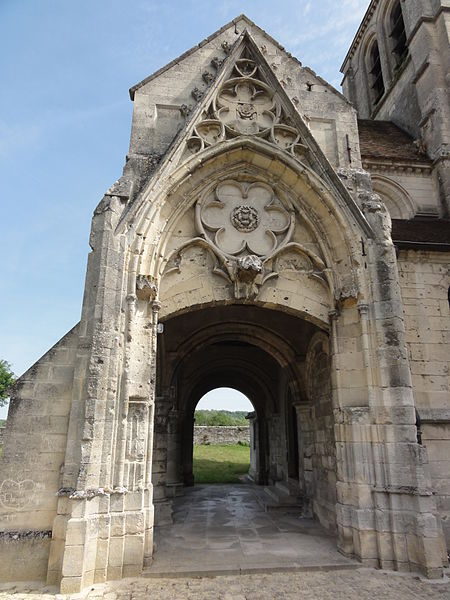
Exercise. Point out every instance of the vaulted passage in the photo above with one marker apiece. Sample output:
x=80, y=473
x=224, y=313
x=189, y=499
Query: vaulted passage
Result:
x=281, y=363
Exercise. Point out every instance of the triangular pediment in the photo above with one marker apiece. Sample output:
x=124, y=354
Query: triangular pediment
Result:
x=245, y=100
x=216, y=39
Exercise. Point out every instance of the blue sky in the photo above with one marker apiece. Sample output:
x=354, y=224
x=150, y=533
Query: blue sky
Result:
x=225, y=398
x=65, y=117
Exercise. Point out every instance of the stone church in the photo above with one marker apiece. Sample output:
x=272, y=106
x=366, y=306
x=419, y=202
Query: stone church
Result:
x=272, y=235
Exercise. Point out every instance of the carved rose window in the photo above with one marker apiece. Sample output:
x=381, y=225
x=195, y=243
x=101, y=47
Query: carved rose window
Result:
x=246, y=106
x=244, y=217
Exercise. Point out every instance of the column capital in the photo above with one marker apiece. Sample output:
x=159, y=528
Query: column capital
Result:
x=333, y=314
x=363, y=309
x=156, y=305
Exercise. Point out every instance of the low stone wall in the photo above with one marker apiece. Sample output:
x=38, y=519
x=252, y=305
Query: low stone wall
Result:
x=221, y=435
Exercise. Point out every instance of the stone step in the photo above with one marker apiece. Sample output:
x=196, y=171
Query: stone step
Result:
x=279, y=497
x=283, y=487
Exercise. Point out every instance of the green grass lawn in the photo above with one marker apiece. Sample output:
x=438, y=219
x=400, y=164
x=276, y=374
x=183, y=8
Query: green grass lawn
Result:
x=220, y=464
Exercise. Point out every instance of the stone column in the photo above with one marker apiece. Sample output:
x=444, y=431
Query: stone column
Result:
x=174, y=485
x=254, y=471
x=305, y=451
x=187, y=449
x=149, y=511
x=277, y=449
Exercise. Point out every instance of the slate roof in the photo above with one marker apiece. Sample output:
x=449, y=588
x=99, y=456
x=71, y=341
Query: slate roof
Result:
x=384, y=140
x=416, y=234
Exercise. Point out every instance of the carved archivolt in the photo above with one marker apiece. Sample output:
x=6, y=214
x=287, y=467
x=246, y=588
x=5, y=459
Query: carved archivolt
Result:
x=244, y=227
x=397, y=200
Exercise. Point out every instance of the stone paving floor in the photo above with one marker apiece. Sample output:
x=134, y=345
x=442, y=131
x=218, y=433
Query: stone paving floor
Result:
x=224, y=529
x=215, y=528
x=358, y=584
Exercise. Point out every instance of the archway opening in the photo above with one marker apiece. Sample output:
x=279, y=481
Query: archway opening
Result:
x=222, y=452
x=280, y=362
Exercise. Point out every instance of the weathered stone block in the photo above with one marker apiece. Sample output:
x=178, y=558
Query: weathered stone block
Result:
x=73, y=561
x=115, y=555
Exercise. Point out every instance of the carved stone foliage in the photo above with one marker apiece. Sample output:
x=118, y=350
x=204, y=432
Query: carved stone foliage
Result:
x=245, y=105
x=294, y=261
x=146, y=289
x=377, y=214
x=249, y=272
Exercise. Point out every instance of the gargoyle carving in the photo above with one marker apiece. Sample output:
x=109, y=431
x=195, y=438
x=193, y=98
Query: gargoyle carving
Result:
x=248, y=276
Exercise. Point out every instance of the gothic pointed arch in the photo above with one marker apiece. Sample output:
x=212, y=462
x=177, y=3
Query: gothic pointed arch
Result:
x=246, y=197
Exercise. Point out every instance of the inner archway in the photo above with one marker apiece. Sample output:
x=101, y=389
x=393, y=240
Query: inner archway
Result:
x=270, y=356
x=281, y=363
x=222, y=449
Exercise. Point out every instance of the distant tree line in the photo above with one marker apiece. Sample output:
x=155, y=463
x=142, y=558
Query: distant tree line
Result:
x=6, y=381
x=222, y=418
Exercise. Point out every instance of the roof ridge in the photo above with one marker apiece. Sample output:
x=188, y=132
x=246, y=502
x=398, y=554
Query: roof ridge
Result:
x=215, y=34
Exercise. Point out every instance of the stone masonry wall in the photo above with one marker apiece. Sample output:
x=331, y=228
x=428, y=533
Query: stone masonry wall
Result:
x=34, y=445
x=425, y=279
x=221, y=435
x=317, y=443
x=323, y=458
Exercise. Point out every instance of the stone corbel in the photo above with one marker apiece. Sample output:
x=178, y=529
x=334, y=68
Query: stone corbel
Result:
x=248, y=277
x=363, y=310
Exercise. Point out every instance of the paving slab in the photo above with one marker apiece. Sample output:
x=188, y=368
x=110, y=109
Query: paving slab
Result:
x=354, y=584
x=266, y=556
x=221, y=529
